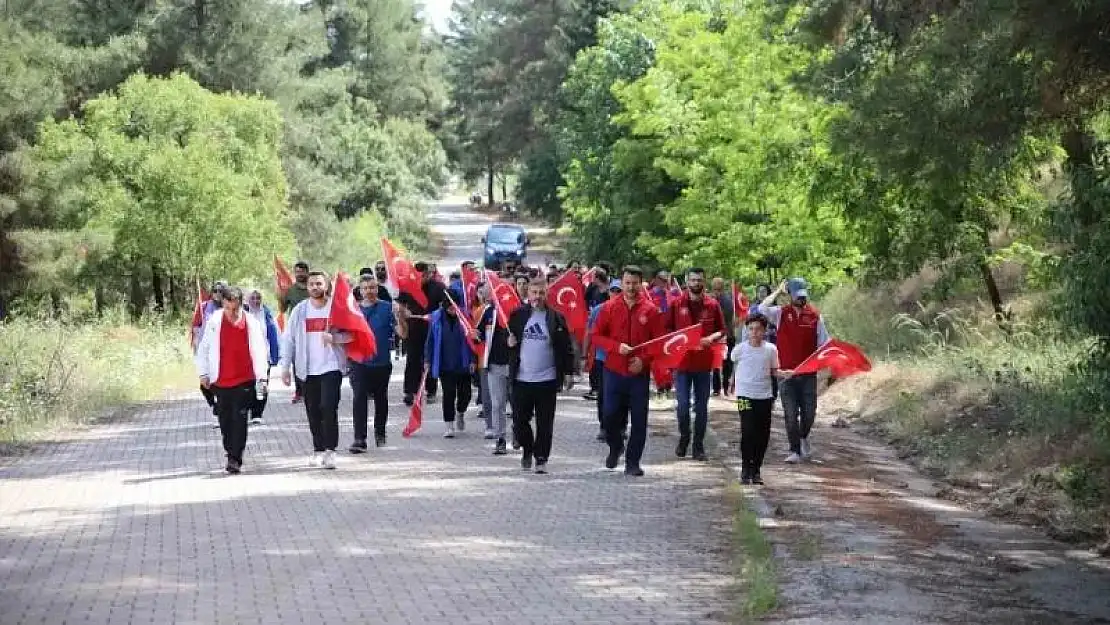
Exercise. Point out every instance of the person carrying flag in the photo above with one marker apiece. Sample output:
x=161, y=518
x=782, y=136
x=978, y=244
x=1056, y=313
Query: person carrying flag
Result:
x=695, y=369
x=496, y=367
x=416, y=330
x=597, y=364
x=757, y=364
x=622, y=324
x=448, y=358
x=801, y=330
x=231, y=359
x=542, y=357
x=370, y=378
x=261, y=313
x=315, y=353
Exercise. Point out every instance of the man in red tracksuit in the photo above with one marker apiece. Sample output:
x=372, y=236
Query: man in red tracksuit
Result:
x=696, y=367
x=623, y=323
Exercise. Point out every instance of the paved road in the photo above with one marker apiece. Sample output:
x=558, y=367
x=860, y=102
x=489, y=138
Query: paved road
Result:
x=133, y=522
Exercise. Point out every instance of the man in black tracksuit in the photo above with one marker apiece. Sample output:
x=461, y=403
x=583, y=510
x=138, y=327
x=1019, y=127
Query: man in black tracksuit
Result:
x=417, y=333
x=542, y=356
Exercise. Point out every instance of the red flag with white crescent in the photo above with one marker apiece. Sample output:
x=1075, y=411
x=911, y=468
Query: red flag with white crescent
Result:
x=740, y=303
x=467, y=326
x=567, y=296
x=667, y=350
x=841, y=358
x=588, y=277
x=505, y=298
x=344, y=315
x=403, y=274
x=416, y=413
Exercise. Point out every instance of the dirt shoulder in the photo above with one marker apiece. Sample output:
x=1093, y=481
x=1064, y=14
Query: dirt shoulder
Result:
x=862, y=537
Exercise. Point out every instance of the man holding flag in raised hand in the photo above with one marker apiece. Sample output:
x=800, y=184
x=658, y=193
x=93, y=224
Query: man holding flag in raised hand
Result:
x=801, y=330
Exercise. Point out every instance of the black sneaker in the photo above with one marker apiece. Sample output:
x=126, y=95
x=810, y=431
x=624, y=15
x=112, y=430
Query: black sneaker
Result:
x=541, y=467
x=633, y=471
x=358, y=447
x=379, y=440
x=500, y=449
x=409, y=400
x=590, y=396
x=525, y=462
x=699, y=455
x=516, y=444
x=601, y=438
x=745, y=479
x=757, y=479
x=614, y=457
x=233, y=466
x=680, y=450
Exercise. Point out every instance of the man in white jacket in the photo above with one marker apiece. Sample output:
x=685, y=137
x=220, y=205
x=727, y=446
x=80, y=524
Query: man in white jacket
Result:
x=232, y=361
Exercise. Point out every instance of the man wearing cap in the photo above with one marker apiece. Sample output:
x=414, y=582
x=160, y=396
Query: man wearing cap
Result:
x=801, y=330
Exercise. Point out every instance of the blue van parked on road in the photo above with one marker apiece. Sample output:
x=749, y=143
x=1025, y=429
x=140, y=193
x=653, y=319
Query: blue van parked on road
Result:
x=505, y=243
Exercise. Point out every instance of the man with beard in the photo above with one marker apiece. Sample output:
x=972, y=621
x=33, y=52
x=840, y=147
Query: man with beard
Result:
x=542, y=356
x=414, y=330
x=623, y=323
x=297, y=293
x=695, y=368
x=318, y=360
x=801, y=330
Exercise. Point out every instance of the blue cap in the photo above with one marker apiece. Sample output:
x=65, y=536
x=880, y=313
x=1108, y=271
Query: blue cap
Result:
x=797, y=287
x=615, y=285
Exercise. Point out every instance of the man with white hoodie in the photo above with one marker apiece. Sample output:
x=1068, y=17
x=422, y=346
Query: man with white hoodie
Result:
x=231, y=361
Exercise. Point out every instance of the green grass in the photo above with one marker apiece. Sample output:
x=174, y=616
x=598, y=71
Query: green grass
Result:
x=979, y=403
x=753, y=559
x=58, y=374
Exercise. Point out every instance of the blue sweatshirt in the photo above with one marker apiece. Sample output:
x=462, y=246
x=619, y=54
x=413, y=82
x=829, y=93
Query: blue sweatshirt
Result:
x=379, y=317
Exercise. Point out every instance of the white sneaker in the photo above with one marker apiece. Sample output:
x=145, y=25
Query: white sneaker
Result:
x=793, y=459
x=460, y=421
x=315, y=459
x=257, y=421
x=806, y=451
x=449, y=431
x=329, y=460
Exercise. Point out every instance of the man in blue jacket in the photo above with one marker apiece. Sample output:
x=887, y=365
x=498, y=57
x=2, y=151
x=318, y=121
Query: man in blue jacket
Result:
x=447, y=358
x=370, y=379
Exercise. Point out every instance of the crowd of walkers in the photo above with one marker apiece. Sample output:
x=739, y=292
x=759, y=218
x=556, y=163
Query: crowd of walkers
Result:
x=455, y=347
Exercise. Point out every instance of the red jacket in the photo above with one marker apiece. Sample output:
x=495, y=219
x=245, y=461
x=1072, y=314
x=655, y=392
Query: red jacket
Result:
x=617, y=323
x=796, y=336
x=712, y=320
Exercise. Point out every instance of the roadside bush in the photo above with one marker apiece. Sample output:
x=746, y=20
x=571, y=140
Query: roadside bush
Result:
x=55, y=373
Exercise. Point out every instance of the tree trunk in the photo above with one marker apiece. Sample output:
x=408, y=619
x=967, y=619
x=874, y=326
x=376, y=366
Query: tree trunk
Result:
x=98, y=300
x=156, y=286
x=490, y=175
x=1001, y=315
x=137, y=296
x=173, y=295
x=55, y=303
x=504, y=189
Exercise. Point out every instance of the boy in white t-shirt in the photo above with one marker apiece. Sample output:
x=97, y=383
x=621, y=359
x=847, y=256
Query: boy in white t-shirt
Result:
x=756, y=364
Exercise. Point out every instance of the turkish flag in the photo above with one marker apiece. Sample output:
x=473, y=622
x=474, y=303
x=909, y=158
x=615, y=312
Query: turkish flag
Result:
x=198, y=315
x=467, y=326
x=470, y=280
x=740, y=304
x=588, y=277
x=843, y=359
x=282, y=281
x=402, y=274
x=505, y=298
x=416, y=413
x=344, y=315
x=567, y=296
x=667, y=350
x=719, y=354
